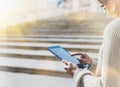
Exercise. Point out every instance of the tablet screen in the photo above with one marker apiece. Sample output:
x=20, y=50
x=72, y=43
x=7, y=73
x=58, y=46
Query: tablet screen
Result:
x=62, y=54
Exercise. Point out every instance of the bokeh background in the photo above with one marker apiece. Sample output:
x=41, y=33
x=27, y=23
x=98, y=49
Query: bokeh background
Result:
x=27, y=27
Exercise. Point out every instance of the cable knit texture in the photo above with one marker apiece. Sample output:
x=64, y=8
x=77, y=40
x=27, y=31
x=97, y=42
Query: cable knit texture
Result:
x=108, y=67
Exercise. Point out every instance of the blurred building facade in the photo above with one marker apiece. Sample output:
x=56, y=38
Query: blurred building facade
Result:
x=42, y=9
x=83, y=5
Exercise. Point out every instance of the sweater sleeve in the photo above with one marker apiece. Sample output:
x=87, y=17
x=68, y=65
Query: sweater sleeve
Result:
x=92, y=67
x=85, y=78
x=97, y=63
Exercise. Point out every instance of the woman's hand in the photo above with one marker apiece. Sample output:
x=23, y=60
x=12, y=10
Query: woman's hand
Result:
x=69, y=67
x=83, y=58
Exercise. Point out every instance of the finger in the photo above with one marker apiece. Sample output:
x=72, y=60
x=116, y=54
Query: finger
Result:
x=65, y=62
x=75, y=54
x=81, y=59
x=69, y=67
x=83, y=55
x=70, y=64
x=65, y=68
x=68, y=71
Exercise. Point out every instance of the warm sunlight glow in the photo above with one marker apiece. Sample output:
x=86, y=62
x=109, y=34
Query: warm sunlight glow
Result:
x=7, y=10
x=10, y=13
x=7, y=6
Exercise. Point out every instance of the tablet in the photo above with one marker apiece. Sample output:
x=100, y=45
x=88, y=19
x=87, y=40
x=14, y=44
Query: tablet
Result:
x=62, y=54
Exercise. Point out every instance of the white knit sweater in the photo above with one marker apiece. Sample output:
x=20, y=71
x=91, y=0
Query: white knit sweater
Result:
x=108, y=67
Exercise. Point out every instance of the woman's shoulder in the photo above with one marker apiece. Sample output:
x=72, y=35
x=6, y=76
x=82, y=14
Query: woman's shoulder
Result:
x=113, y=27
x=114, y=23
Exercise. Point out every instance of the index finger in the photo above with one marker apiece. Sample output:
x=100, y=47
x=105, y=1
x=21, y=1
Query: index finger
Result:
x=75, y=54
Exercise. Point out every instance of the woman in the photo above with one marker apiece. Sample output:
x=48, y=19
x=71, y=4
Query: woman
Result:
x=108, y=67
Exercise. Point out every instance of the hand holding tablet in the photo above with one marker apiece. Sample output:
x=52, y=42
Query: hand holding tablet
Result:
x=62, y=54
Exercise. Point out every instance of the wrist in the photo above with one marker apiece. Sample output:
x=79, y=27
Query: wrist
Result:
x=90, y=62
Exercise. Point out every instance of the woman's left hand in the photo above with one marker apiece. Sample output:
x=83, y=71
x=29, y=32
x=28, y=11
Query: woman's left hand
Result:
x=69, y=67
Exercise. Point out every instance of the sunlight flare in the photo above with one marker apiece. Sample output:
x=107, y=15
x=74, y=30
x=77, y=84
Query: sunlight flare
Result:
x=7, y=10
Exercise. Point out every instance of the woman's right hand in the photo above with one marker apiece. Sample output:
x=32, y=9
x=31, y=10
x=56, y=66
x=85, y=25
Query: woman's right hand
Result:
x=83, y=58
